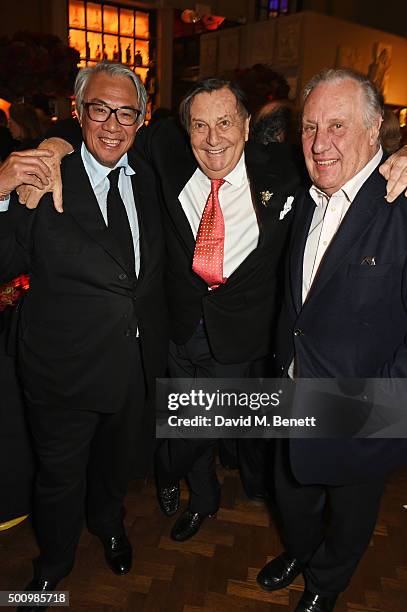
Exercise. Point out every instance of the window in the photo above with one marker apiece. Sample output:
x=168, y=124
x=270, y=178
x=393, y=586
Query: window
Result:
x=116, y=33
x=268, y=9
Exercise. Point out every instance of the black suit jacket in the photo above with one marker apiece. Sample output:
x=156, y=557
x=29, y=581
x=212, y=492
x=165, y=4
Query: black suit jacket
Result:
x=353, y=324
x=239, y=315
x=79, y=319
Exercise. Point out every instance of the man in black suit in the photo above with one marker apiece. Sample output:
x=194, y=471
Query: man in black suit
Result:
x=221, y=323
x=92, y=331
x=344, y=315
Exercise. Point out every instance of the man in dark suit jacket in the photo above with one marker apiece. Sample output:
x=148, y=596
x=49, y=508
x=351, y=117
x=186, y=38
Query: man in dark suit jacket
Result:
x=92, y=327
x=344, y=315
x=218, y=329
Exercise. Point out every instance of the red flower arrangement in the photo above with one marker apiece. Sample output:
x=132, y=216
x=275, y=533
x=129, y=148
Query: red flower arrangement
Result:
x=33, y=63
x=11, y=292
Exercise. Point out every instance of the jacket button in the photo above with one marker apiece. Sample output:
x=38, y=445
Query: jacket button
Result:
x=127, y=333
x=298, y=332
x=122, y=276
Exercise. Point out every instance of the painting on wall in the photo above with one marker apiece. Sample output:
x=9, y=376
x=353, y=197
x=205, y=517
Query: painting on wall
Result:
x=349, y=57
x=288, y=42
x=379, y=69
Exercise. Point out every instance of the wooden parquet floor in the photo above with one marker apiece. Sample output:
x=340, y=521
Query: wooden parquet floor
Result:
x=216, y=570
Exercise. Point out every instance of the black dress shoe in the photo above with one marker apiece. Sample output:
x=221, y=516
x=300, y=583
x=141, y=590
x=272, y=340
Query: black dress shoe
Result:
x=278, y=573
x=118, y=553
x=312, y=602
x=38, y=585
x=188, y=525
x=168, y=499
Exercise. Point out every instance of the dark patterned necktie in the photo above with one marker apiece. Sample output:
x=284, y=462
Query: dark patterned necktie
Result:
x=117, y=220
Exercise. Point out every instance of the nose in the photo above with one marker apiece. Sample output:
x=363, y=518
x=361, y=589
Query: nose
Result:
x=111, y=125
x=321, y=142
x=212, y=137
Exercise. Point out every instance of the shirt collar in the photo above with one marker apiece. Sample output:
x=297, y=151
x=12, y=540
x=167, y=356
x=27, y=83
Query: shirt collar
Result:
x=97, y=172
x=351, y=188
x=235, y=176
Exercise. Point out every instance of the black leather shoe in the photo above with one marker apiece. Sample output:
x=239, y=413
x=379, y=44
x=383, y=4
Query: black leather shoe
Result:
x=312, y=602
x=188, y=525
x=38, y=585
x=118, y=553
x=278, y=573
x=168, y=499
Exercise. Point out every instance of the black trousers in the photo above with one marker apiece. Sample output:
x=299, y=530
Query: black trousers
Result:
x=328, y=528
x=85, y=460
x=195, y=458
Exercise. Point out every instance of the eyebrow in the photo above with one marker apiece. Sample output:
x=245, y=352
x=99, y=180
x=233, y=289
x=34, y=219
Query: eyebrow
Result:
x=99, y=101
x=227, y=116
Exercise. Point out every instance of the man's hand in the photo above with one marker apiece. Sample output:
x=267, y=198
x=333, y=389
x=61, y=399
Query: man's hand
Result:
x=395, y=171
x=26, y=167
x=30, y=195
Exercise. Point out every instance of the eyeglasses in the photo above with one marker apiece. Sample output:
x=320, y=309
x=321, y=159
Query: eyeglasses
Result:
x=101, y=113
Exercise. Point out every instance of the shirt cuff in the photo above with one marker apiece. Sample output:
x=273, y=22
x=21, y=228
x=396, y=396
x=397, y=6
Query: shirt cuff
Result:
x=4, y=204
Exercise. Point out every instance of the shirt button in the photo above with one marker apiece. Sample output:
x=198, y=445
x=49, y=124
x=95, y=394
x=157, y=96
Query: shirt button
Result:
x=324, y=243
x=333, y=209
x=122, y=276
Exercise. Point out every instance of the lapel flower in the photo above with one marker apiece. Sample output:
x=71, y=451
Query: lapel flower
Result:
x=265, y=197
x=287, y=207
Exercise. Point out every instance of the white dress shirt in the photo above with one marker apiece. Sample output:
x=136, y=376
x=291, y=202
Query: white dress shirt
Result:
x=100, y=184
x=241, y=227
x=328, y=215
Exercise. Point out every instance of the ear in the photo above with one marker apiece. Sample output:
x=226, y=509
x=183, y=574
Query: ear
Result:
x=78, y=117
x=375, y=130
x=246, y=128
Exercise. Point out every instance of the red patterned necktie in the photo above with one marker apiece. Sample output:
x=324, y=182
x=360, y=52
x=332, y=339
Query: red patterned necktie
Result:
x=210, y=240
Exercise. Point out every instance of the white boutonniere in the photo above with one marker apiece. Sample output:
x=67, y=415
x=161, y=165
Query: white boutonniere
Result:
x=287, y=207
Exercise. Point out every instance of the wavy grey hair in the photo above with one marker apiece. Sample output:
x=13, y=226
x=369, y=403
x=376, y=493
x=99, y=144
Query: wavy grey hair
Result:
x=113, y=70
x=374, y=106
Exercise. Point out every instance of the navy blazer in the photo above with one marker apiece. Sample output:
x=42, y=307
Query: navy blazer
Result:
x=352, y=324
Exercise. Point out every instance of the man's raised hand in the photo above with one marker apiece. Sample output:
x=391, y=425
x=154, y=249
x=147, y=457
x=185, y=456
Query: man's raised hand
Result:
x=30, y=195
x=25, y=167
x=395, y=171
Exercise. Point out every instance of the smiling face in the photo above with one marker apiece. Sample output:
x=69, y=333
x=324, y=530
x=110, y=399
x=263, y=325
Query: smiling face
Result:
x=336, y=141
x=218, y=132
x=108, y=141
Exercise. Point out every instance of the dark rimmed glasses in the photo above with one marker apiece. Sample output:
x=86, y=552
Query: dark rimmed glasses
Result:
x=125, y=115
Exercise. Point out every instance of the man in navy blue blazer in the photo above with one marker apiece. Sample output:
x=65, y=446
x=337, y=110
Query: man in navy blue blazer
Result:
x=344, y=315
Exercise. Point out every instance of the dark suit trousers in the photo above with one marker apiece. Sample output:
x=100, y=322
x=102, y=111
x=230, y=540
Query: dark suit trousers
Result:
x=85, y=460
x=328, y=528
x=195, y=458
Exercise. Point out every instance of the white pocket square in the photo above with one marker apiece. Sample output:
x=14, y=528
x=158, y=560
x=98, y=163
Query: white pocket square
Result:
x=287, y=207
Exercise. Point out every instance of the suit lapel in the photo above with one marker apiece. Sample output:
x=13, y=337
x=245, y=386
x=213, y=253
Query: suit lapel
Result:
x=184, y=164
x=356, y=223
x=80, y=202
x=304, y=212
x=268, y=189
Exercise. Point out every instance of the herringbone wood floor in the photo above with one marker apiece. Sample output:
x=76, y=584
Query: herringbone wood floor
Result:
x=216, y=570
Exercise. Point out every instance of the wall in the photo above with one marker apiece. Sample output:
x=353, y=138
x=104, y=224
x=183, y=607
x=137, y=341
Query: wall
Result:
x=302, y=44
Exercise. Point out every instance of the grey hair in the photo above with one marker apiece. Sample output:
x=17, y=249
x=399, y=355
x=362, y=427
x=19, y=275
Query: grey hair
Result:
x=374, y=103
x=208, y=86
x=113, y=70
